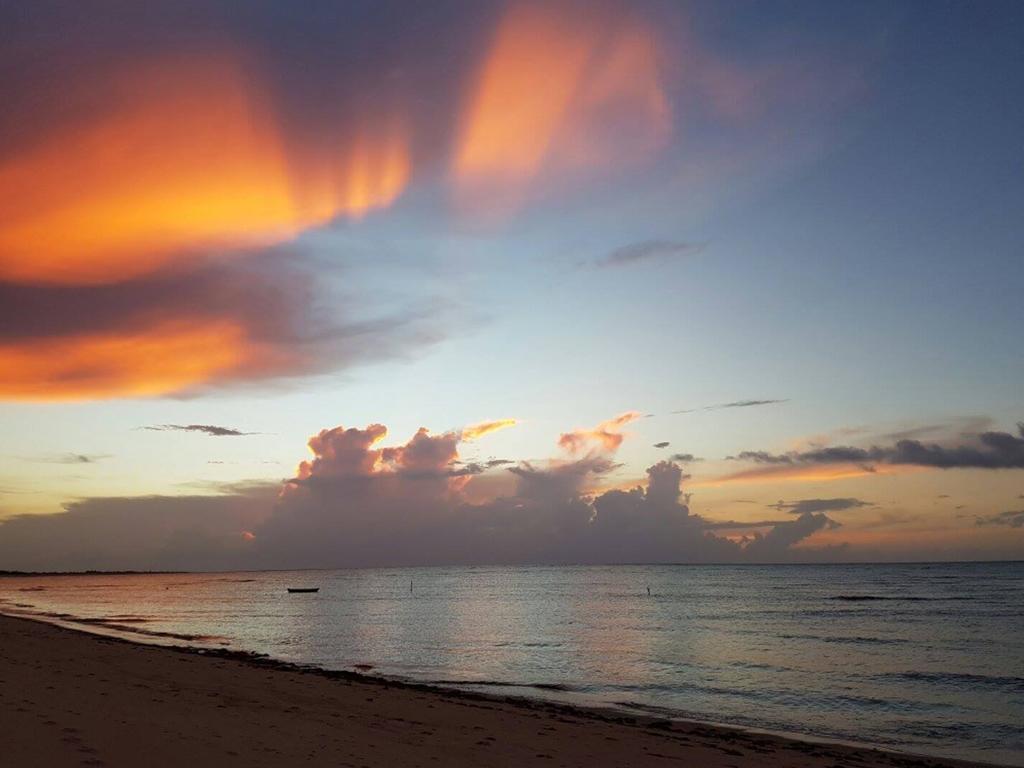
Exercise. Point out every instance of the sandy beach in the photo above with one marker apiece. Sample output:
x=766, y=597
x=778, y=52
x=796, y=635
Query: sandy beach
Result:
x=70, y=698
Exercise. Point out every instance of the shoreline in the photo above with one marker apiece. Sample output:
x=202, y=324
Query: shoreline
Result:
x=569, y=734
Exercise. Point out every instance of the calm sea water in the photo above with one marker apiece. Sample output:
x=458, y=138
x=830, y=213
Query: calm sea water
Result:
x=923, y=658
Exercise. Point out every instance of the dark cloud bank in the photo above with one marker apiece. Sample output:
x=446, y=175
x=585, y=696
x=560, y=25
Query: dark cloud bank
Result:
x=985, y=450
x=357, y=504
x=279, y=303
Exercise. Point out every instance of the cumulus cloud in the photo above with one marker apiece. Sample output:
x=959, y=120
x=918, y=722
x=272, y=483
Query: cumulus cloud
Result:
x=650, y=251
x=341, y=453
x=404, y=504
x=1013, y=519
x=360, y=501
x=985, y=450
x=820, y=505
x=560, y=481
x=775, y=544
x=370, y=509
x=403, y=515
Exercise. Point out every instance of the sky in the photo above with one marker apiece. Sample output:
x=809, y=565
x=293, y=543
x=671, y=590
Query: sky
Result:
x=360, y=284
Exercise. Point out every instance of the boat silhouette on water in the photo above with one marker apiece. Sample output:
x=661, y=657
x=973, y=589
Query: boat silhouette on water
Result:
x=303, y=589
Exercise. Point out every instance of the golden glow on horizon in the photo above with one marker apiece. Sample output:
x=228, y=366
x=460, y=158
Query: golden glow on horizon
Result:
x=191, y=160
x=558, y=89
x=928, y=532
x=824, y=473
x=168, y=357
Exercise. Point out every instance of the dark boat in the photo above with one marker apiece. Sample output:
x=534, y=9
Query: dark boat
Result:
x=303, y=589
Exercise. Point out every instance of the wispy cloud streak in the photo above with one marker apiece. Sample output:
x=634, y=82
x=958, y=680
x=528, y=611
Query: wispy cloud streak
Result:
x=734, y=404
x=649, y=251
x=208, y=429
x=69, y=458
x=820, y=505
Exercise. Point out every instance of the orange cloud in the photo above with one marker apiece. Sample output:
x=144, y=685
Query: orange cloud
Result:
x=369, y=172
x=241, y=321
x=558, y=89
x=484, y=428
x=606, y=437
x=108, y=222
x=186, y=158
x=169, y=356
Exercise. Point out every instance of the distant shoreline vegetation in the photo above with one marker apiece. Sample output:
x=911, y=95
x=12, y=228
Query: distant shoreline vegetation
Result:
x=90, y=573
x=840, y=564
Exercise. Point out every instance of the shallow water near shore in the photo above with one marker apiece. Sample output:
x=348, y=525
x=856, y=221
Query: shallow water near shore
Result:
x=923, y=658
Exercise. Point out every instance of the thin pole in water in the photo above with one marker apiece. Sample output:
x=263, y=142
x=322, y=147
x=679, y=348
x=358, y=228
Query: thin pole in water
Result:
x=410, y=586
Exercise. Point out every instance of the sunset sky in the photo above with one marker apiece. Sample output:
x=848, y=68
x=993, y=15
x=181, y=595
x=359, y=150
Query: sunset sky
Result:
x=329, y=284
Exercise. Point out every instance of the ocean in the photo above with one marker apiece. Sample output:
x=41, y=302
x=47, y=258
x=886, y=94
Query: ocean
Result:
x=924, y=658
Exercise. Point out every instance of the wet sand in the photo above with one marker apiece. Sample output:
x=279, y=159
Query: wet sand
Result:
x=70, y=698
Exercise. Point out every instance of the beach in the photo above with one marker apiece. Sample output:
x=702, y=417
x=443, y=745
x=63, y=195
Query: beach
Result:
x=70, y=698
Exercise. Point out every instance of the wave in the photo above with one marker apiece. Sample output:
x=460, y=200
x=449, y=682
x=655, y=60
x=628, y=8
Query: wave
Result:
x=126, y=624
x=897, y=598
x=508, y=684
x=867, y=598
x=511, y=644
x=133, y=630
x=854, y=640
x=997, y=682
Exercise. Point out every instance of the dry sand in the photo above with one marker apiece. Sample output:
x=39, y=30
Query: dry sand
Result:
x=69, y=698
